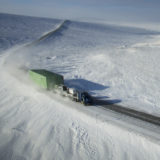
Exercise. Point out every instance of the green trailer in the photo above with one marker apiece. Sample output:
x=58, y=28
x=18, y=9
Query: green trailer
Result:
x=46, y=79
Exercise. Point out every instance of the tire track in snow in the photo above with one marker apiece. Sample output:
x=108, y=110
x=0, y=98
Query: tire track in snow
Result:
x=128, y=111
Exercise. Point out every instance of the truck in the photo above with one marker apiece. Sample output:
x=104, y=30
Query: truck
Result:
x=55, y=82
x=77, y=95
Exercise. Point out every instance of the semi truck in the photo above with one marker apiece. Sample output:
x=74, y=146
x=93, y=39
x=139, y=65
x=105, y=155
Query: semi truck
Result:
x=55, y=82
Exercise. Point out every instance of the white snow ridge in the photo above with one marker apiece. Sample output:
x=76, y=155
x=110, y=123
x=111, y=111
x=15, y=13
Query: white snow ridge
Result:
x=115, y=63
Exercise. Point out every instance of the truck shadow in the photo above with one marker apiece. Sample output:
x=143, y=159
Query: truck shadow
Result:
x=90, y=87
x=83, y=84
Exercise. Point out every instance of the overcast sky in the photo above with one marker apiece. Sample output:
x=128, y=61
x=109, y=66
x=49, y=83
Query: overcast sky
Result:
x=109, y=10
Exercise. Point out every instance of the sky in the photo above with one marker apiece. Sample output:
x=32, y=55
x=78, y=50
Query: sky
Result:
x=105, y=10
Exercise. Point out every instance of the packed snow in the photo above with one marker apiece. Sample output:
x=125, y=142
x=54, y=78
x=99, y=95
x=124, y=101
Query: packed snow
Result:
x=116, y=63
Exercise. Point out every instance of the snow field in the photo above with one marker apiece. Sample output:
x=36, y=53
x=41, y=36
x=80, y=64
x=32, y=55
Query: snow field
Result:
x=131, y=74
x=35, y=126
x=109, y=61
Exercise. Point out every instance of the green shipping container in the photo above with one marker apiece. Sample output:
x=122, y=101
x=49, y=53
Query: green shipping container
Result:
x=46, y=79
